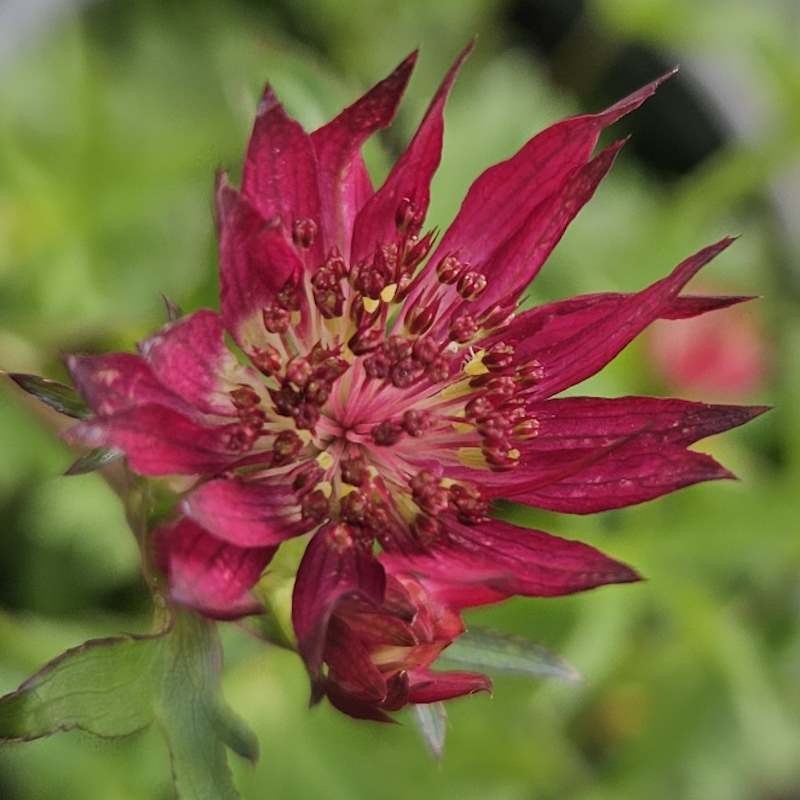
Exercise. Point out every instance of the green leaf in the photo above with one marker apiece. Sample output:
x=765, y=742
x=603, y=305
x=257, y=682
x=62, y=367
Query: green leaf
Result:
x=93, y=460
x=101, y=687
x=115, y=687
x=431, y=720
x=59, y=396
x=492, y=651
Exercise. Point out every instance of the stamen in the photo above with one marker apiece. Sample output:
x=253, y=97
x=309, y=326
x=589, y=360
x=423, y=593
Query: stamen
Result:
x=304, y=232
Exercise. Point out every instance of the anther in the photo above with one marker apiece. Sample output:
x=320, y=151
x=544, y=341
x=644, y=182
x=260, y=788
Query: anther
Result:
x=276, y=319
x=387, y=433
x=471, y=284
x=285, y=448
x=415, y=423
x=304, y=232
x=449, y=269
x=463, y=328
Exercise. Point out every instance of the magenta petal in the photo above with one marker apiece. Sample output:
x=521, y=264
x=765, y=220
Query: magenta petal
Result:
x=587, y=422
x=247, y=513
x=334, y=568
x=693, y=305
x=119, y=381
x=573, y=340
x=493, y=560
x=410, y=177
x=343, y=179
x=355, y=707
x=159, y=441
x=350, y=665
x=206, y=574
x=256, y=260
x=190, y=357
x=507, y=193
x=279, y=176
x=515, y=262
x=426, y=686
x=638, y=471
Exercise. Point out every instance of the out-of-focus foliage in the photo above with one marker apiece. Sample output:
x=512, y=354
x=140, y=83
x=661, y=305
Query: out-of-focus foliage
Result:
x=111, y=125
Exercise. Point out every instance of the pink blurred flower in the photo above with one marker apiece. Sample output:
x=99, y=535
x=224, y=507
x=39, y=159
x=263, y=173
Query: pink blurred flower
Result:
x=720, y=356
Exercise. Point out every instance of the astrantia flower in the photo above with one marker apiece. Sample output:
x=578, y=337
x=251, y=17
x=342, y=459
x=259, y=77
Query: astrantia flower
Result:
x=388, y=392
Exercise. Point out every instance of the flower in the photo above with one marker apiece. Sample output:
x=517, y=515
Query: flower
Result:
x=389, y=392
x=718, y=357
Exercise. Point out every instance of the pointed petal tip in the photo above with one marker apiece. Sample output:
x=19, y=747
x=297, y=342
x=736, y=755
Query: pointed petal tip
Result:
x=269, y=101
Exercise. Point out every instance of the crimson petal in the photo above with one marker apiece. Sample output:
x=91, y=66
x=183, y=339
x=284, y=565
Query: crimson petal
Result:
x=410, y=177
x=190, y=357
x=572, y=341
x=159, y=441
x=343, y=179
x=119, y=381
x=256, y=260
x=638, y=471
x=493, y=560
x=507, y=193
x=515, y=262
x=279, y=176
x=208, y=575
x=427, y=686
x=584, y=422
x=246, y=513
x=334, y=568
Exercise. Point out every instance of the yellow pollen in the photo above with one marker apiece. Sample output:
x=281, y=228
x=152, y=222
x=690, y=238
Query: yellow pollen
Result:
x=345, y=489
x=448, y=482
x=295, y=317
x=325, y=487
x=475, y=365
x=472, y=457
x=513, y=454
x=455, y=390
x=463, y=427
x=370, y=305
x=388, y=292
x=373, y=471
x=325, y=459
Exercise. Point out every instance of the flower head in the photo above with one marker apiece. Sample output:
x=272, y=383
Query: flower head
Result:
x=390, y=392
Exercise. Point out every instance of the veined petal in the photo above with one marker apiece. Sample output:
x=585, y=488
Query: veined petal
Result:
x=484, y=563
x=334, y=568
x=280, y=176
x=344, y=183
x=587, y=422
x=160, y=441
x=256, y=260
x=350, y=665
x=118, y=381
x=190, y=357
x=640, y=470
x=508, y=192
x=572, y=341
x=208, y=575
x=409, y=178
x=247, y=513
x=427, y=686
x=516, y=261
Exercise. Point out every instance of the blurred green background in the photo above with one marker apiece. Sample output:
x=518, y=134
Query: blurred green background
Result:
x=113, y=117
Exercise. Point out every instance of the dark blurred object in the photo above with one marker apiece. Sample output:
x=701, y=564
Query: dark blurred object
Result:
x=672, y=134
